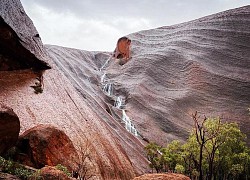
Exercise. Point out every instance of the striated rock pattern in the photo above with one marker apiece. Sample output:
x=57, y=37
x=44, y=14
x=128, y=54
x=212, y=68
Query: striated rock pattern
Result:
x=168, y=176
x=202, y=65
x=9, y=129
x=82, y=68
x=82, y=118
x=46, y=145
x=20, y=44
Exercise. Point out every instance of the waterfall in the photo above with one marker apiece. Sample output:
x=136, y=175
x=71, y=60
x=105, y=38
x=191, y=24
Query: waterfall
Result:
x=108, y=88
x=119, y=102
x=105, y=64
x=128, y=124
x=103, y=78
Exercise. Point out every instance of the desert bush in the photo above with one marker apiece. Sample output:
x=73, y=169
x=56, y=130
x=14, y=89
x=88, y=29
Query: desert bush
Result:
x=11, y=167
x=63, y=169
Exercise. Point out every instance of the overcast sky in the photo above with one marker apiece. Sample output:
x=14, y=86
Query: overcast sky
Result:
x=97, y=24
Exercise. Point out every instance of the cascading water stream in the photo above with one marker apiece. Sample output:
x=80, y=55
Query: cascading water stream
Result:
x=128, y=124
x=119, y=103
x=108, y=88
x=103, y=78
x=106, y=63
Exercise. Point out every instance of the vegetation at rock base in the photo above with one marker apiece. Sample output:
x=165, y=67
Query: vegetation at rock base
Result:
x=11, y=167
x=25, y=173
x=213, y=150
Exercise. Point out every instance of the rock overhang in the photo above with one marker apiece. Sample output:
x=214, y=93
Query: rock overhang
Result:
x=20, y=44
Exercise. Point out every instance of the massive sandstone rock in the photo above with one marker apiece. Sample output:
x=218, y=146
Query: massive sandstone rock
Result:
x=46, y=145
x=201, y=65
x=80, y=116
x=9, y=129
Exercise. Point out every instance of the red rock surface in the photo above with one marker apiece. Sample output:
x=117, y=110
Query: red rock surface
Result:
x=201, y=65
x=9, y=129
x=169, y=176
x=62, y=106
x=46, y=145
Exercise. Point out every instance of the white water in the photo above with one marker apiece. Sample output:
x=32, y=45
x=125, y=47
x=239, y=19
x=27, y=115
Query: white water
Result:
x=106, y=63
x=128, y=124
x=103, y=78
x=119, y=103
x=108, y=88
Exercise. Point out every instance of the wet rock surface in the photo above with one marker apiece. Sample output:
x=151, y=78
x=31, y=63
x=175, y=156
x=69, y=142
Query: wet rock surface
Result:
x=46, y=145
x=9, y=129
x=202, y=65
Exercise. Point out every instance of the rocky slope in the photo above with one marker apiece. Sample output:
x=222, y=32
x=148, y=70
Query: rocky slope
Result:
x=202, y=65
x=60, y=104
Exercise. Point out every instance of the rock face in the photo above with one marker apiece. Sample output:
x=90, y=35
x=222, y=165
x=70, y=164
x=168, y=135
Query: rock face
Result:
x=122, y=49
x=202, y=65
x=45, y=145
x=80, y=116
x=168, y=176
x=9, y=129
x=85, y=70
x=20, y=44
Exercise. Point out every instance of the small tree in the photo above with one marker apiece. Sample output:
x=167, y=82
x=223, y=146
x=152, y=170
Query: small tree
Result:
x=171, y=155
x=219, y=145
x=84, y=169
x=154, y=156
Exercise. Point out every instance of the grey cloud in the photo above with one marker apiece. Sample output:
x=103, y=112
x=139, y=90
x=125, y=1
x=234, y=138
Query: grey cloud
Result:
x=160, y=12
x=123, y=17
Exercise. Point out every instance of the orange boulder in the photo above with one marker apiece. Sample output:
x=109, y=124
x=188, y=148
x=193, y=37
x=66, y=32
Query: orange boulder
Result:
x=45, y=145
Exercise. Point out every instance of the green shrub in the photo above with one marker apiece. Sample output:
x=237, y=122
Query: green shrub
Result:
x=10, y=167
x=179, y=169
x=63, y=169
x=23, y=173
